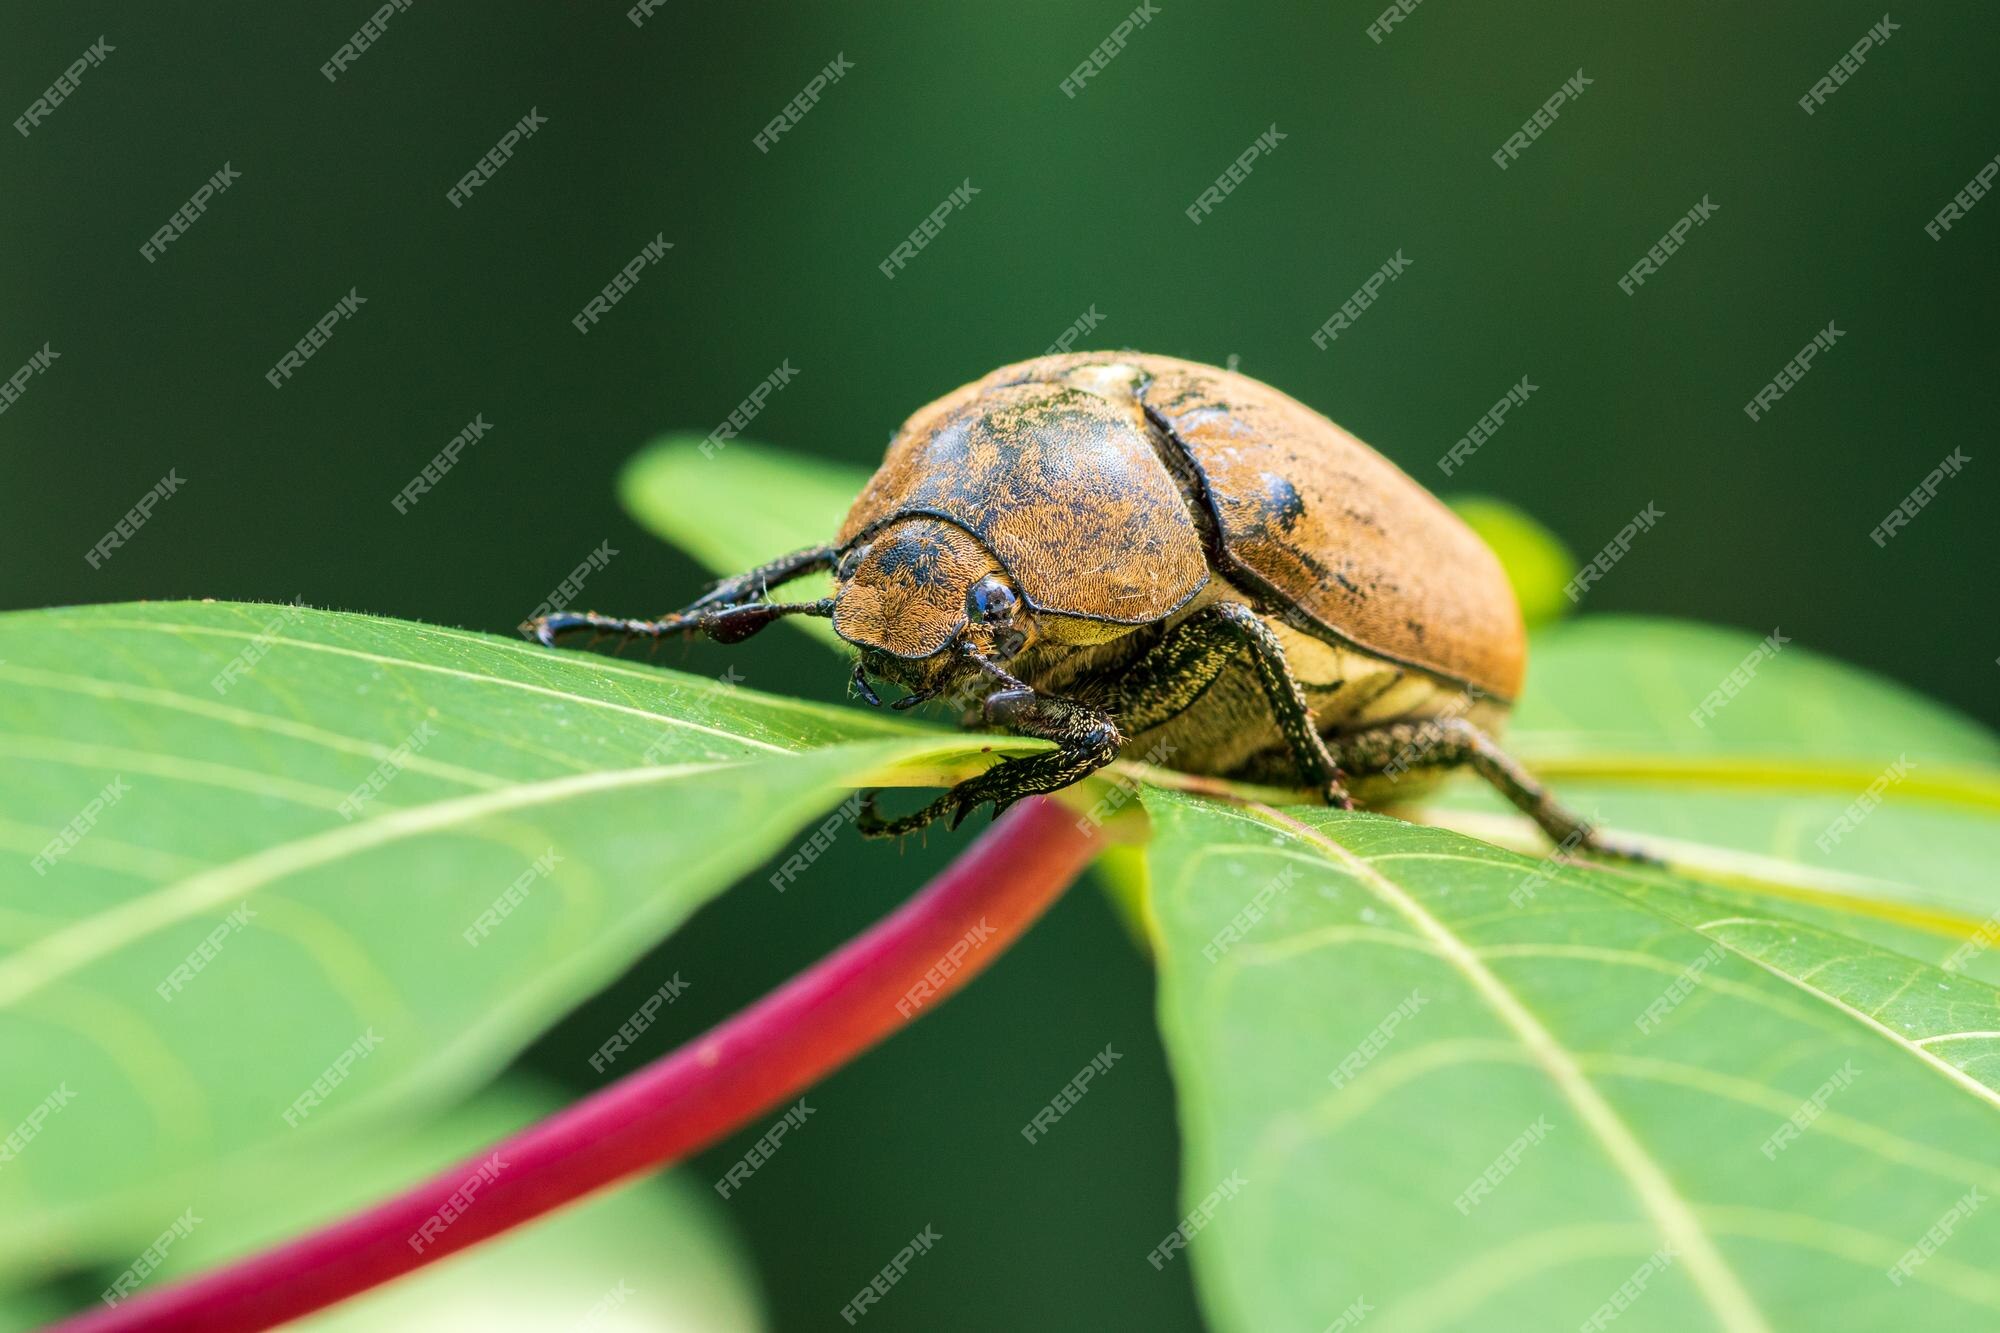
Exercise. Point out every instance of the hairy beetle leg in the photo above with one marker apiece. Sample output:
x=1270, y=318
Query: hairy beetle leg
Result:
x=1086, y=740
x=731, y=610
x=1175, y=671
x=873, y=824
x=727, y=624
x=546, y=629
x=754, y=585
x=1450, y=742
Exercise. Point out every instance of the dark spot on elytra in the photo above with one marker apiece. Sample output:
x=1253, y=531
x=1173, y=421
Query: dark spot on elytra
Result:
x=1179, y=400
x=1281, y=502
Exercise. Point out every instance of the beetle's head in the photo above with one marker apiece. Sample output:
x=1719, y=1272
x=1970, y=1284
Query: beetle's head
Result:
x=927, y=604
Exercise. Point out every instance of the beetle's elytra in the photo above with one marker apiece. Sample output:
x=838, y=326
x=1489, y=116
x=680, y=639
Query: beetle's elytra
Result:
x=1136, y=554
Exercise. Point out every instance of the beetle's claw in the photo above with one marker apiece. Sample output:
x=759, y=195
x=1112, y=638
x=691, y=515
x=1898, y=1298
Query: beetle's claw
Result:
x=544, y=629
x=1618, y=849
x=868, y=818
x=872, y=825
x=959, y=810
x=950, y=807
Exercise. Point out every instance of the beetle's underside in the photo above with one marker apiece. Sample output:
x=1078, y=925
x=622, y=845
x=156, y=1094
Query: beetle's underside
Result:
x=1025, y=554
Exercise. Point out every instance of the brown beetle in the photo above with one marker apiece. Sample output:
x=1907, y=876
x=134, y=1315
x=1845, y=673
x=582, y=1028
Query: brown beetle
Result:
x=1136, y=554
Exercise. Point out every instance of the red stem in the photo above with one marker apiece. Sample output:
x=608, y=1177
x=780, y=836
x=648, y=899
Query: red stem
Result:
x=682, y=1102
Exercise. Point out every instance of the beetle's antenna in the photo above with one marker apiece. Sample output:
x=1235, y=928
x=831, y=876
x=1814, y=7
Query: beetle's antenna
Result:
x=995, y=670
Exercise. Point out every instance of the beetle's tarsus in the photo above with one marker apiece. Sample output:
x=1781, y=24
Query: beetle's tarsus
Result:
x=1617, y=849
x=1400, y=747
x=869, y=817
x=546, y=629
x=872, y=824
x=951, y=807
x=724, y=624
x=730, y=611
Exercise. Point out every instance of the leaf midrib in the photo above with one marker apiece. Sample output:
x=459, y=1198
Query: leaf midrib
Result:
x=1869, y=1021
x=1971, y=785
x=1711, y=1274
x=412, y=664
x=61, y=953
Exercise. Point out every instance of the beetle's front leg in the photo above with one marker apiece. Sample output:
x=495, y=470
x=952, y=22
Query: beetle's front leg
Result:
x=1086, y=740
x=754, y=585
x=730, y=611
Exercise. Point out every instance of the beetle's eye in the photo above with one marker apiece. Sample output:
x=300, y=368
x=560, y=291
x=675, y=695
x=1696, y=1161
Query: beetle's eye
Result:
x=849, y=563
x=990, y=599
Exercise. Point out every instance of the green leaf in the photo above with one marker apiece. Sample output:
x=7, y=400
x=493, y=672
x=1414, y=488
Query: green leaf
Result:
x=22, y=1311
x=214, y=929
x=1617, y=1047
x=1404, y=1084
x=741, y=504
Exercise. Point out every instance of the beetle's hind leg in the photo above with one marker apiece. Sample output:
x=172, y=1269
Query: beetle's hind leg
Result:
x=1450, y=742
x=729, y=611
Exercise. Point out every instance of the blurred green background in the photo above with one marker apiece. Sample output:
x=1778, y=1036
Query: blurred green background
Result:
x=1079, y=209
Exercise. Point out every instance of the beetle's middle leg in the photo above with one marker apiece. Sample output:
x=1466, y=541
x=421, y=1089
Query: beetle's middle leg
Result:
x=1176, y=670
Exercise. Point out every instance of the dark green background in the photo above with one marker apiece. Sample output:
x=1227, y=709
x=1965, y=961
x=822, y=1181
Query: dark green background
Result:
x=1080, y=205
